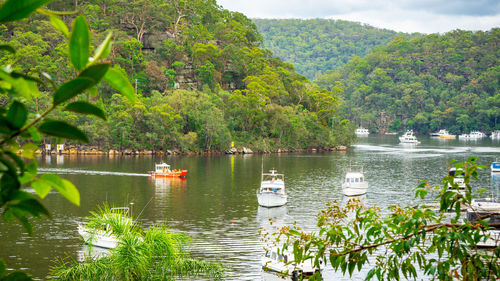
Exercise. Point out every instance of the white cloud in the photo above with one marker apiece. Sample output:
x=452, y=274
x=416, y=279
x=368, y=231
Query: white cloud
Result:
x=427, y=16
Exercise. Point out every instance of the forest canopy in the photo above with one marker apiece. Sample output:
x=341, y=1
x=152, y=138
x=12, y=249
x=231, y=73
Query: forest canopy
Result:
x=201, y=77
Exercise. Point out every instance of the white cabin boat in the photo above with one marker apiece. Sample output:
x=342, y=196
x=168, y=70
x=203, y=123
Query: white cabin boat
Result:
x=272, y=190
x=458, y=179
x=486, y=208
x=439, y=133
x=354, y=183
x=408, y=137
x=362, y=132
x=474, y=135
x=495, y=135
x=282, y=263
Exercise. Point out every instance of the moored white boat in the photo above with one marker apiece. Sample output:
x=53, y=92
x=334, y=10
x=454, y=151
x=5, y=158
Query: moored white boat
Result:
x=408, y=137
x=458, y=179
x=282, y=263
x=354, y=182
x=443, y=133
x=103, y=235
x=272, y=190
x=103, y=238
x=495, y=135
x=361, y=132
x=474, y=135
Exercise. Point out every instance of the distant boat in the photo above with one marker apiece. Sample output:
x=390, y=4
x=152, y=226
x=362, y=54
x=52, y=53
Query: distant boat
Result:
x=163, y=170
x=408, y=137
x=354, y=182
x=272, y=190
x=362, y=132
x=438, y=134
x=443, y=134
x=495, y=135
x=474, y=135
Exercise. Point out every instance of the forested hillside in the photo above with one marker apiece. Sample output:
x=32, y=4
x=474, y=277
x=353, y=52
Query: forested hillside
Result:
x=438, y=81
x=315, y=46
x=202, y=80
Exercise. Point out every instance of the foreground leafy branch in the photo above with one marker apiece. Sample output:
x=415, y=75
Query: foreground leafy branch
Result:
x=407, y=242
x=18, y=166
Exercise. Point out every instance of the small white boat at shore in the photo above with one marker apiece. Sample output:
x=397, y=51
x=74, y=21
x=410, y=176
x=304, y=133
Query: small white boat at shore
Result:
x=458, y=179
x=282, y=262
x=354, y=183
x=408, y=137
x=474, y=135
x=272, y=190
x=361, y=132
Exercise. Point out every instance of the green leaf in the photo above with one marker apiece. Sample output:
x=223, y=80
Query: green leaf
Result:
x=14, y=10
x=60, y=25
x=17, y=114
x=65, y=187
x=21, y=86
x=104, y=49
x=63, y=130
x=79, y=43
x=95, y=72
x=72, y=88
x=116, y=79
x=41, y=187
x=8, y=48
x=86, y=108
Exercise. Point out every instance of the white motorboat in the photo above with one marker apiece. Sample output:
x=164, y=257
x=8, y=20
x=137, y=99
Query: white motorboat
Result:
x=458, y=179
x=361, y=132
x=486, y=208
x=408, y=137
x=495, y=135
x=474, y=135
x=103, y=235
x=282, y=262
x=443, y=133
x=354, y=183
x=272, y=190
x=495, y=167
x=103, y=238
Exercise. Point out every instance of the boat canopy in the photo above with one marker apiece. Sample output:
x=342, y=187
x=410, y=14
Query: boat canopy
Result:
x=162, y=167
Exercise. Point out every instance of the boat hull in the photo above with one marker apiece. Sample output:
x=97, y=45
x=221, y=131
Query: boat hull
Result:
x=447, y=137
x=98, y=239
x=173, y=174
x=354, y=189
x=269, y=199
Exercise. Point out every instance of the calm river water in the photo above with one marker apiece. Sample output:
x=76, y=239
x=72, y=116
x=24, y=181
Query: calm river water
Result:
x=217, y=204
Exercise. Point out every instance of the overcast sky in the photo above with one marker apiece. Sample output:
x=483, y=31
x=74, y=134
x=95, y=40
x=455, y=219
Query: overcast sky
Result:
x=426, y=16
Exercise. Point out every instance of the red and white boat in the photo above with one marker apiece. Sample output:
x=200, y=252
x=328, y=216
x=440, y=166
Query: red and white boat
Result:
x=163, y=170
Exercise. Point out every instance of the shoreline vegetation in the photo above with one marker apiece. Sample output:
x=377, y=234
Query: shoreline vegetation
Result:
x=92, y=150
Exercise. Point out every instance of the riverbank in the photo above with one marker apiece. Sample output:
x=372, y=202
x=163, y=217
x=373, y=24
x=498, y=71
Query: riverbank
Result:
x=89, y=150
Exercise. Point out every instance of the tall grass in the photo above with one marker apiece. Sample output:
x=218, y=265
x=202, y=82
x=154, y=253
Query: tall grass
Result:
x=155, y=254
